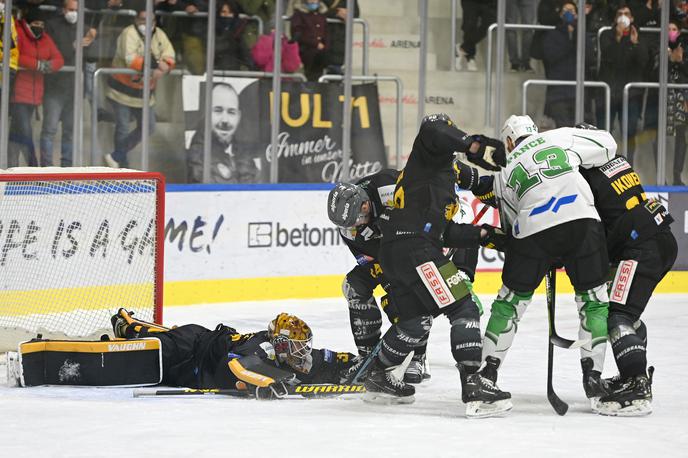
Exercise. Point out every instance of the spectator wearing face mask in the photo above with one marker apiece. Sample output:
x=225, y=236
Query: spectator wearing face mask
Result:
x=125, y=92
x=559, y=52
x=624, y=57
x=231, y=52
x=309, y=30
x=38, y=56
x=58, y=102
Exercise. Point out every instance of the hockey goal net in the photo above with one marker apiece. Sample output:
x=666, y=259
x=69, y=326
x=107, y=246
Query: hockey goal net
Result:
x=76, y=244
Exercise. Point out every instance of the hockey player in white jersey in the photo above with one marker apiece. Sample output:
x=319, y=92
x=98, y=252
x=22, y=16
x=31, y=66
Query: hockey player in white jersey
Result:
x=550, y=211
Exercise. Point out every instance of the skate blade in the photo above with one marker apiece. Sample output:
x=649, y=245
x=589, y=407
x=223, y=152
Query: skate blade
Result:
x=480, y=409
x=638, y=408
x=595, y=404
x=386, y=399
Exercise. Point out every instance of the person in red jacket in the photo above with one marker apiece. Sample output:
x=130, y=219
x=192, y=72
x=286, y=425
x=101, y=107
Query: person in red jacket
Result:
x=38, y=55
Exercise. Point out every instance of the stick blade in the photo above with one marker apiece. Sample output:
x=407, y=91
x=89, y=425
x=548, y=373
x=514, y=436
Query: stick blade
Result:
x=559, y=406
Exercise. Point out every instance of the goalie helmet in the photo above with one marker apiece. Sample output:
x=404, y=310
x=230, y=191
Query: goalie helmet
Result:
x=345, y=205
x=292, y=340
x=516, y=127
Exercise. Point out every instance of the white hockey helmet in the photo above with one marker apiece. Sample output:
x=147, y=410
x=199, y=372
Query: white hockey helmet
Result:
x=516, y=127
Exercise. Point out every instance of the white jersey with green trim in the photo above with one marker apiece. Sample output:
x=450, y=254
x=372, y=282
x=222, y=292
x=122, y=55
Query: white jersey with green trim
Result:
x=540, y=187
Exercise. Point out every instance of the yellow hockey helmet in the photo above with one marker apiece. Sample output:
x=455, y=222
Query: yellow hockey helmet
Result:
x=292, y=339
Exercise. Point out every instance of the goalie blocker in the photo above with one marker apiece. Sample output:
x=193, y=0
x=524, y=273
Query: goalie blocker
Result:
x=136, y=362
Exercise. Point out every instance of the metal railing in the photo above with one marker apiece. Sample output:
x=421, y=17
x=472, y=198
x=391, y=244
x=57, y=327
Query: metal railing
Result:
x=365, y=30
x=488, y=72
x=625, y=120
x=528, y=83
x=399, y=110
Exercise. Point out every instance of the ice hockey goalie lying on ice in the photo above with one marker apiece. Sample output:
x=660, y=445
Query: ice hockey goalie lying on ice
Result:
x=196, y=357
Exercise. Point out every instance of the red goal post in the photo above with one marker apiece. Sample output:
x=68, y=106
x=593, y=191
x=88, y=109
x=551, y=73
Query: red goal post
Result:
x=75, y=245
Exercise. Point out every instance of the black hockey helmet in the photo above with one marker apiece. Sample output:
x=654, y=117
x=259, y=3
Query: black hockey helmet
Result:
x=344, y=205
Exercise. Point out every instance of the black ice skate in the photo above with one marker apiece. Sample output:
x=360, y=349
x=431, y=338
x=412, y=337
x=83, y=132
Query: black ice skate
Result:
x=489, y=370
x=593, y=383
x=382, y=387
x=632, y=398
x=482, y=397
x=417, y=370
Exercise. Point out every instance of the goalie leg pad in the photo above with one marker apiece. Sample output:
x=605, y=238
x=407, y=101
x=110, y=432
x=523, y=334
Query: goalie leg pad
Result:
x=85, y=363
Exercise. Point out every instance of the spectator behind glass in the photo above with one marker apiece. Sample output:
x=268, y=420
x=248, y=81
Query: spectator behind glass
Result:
x=624, y=57
x=336, y=32
x=125, y=92
x=559, y=50
x=264, y=9
x=38, y=56
x=309, y=30
x=520, y=12
x=14, y=49
x=194, y=35
x=58, y=102
x=647, y=13
x=228, y=163
x=231, y=52
x=263, y=54
x=477, y=17
x=677, y=104
x=548, y=13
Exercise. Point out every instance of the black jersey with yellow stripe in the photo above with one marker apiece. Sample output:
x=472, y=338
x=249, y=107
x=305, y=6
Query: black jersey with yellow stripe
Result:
x=629, y=217
x=425, y=199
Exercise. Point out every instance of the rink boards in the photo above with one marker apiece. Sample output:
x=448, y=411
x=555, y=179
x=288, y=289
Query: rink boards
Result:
x=260, y=242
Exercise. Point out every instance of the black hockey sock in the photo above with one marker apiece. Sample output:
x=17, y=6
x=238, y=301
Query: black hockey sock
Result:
x=403, y=337
x=366, y=322
x=628, y=347
x=641, y=330
x=466, y=344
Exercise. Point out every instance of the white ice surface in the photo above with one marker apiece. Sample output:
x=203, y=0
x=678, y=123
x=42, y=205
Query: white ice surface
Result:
x=88, y=422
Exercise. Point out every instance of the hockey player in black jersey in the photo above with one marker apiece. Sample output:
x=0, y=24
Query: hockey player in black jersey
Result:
x=359, y=229
x=642, y=250
x=424, y=282
x=355, y=208
x=196, y=357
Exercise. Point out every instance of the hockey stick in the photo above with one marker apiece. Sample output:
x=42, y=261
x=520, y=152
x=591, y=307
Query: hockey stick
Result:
x=558, y=405
x=304, y=390
x=480, y=214
x=554, y=338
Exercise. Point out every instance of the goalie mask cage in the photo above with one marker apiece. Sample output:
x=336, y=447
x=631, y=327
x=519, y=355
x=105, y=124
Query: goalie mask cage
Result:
x=76, y=244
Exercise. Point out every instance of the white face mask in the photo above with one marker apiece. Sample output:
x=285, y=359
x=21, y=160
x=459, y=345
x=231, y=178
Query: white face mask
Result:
x=2, y=8
x=625, y=21
x=142, y=29
x=71, y=17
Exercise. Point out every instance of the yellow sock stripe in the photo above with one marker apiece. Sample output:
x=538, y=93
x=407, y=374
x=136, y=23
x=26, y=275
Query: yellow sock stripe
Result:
x=248, y=376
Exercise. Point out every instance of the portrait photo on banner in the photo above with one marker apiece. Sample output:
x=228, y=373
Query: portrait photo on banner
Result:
x=309, y=144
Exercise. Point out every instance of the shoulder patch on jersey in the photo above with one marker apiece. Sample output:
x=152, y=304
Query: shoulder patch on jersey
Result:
x=386, y=194
x=328, y=355
x=615, y=166
x=268, y=349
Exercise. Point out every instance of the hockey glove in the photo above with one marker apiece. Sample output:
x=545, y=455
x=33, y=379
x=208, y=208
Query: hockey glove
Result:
x=466, y=176
x=490, y=156
x=495, y=239
x=277, y=390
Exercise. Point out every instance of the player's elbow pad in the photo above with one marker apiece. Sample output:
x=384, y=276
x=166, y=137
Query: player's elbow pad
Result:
x=461, y=236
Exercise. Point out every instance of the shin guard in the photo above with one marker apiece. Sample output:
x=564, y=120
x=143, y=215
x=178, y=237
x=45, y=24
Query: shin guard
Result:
x=593, y=308
x=507, y=311
x=466, y=344
x=628, y=347
x=402, y=338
